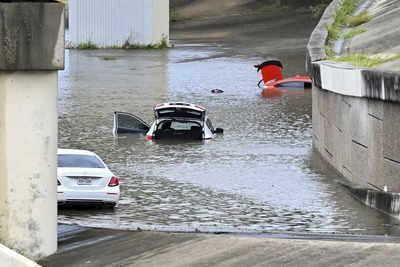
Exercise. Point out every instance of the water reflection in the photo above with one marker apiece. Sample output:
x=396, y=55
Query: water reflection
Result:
x=261, y=175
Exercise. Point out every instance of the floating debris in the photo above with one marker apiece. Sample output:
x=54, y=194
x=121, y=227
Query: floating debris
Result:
x=217, y=91
x=108, y=58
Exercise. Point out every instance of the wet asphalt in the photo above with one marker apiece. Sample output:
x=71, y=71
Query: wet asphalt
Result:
x=79, y=246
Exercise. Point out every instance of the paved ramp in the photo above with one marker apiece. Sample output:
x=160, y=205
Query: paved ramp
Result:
x=80, y=246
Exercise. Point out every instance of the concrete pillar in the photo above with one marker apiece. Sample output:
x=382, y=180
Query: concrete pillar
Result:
x=160, y=21
x=156, y=21
x=31, y=53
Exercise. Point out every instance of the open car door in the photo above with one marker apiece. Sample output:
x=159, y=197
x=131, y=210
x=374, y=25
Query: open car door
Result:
x=271, y=70
x=128, y=123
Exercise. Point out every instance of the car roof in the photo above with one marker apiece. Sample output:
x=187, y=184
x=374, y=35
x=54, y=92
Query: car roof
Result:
x=296, y=78
x=179, y=105
x=61, y=151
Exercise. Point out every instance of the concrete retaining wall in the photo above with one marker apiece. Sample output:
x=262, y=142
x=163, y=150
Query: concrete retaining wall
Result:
x=9, y=258
x=388, y=203
x=356, y=121
x=359, y=136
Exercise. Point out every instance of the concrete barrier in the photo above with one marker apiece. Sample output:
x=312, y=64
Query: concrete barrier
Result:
x=356, y=122
x=10, y=258
x=31, y=53
x=28, y=41
x=386, y=202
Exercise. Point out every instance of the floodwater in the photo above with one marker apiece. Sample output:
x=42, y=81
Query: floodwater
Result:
x=260, y=176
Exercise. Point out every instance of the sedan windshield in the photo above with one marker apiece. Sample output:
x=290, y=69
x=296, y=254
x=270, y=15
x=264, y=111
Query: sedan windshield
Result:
x=79, y=161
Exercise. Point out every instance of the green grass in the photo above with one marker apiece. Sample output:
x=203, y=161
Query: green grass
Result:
x=333, y=33
x=90, y=45
x=342, y=12
x=319, y=9
x=361, y=60
x=361, y=18
x=87, y=46
x=175, y=16
x=139, y=46
x=354, y=32
x=161, y=45
x=329, y=52
x=275, y=8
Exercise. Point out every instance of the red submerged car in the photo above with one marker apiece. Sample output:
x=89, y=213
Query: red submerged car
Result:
x=274, y=83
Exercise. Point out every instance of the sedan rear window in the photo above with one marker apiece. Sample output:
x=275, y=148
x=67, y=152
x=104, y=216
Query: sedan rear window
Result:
x=79, y=161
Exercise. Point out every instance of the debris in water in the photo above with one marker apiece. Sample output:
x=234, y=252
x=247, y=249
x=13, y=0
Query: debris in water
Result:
x=217, y=91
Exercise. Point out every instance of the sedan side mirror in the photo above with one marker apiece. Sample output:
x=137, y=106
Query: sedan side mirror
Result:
x=219, y=131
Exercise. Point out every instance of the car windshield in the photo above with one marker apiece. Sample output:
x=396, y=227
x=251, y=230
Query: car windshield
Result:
x=79, y=161
x=296, y=84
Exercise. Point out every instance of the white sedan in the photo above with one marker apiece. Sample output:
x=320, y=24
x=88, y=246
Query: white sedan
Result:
x=82, y=177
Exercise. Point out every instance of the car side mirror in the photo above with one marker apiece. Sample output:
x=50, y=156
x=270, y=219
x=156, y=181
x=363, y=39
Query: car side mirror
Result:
x=219, y=131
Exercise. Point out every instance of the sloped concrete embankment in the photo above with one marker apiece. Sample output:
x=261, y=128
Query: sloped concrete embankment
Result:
x=356, y=121
x=10, y=258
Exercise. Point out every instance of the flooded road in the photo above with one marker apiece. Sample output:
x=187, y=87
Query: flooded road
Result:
x=260, y=176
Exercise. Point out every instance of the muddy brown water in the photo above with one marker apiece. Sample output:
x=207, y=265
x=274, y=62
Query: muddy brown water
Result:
x=260, y=176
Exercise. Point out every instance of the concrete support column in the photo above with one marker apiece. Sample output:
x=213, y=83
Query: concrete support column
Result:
x=160, y=21
x=31, y=53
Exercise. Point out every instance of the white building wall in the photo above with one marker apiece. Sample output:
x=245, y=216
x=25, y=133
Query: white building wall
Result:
x=109, y=23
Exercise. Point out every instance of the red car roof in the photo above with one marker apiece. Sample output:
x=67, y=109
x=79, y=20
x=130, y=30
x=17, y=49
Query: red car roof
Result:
x=296, y=78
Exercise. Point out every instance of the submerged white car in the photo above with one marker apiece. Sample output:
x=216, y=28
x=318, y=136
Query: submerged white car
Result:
x=180, y=121
x=83, y=178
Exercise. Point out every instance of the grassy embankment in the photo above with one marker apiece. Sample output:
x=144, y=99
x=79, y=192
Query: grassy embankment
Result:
x=275, y=8
x=317, y=9
x=362, y=60
x=343, y=19
x=175, y=16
